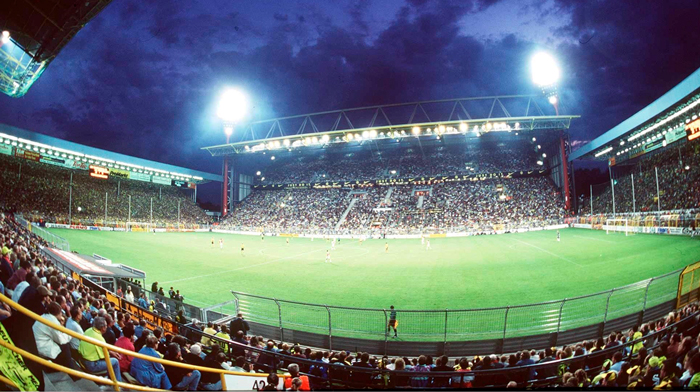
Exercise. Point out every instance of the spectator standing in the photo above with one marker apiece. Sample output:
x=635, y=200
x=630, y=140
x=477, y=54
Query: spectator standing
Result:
x=182, y=378
x=239, y=324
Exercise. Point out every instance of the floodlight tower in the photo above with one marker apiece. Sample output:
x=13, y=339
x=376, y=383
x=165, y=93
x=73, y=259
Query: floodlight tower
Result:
x=233, y=105
x=545, y=75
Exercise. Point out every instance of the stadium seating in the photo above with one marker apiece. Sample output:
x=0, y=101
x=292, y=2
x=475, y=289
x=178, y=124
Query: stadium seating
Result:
x=650, y=352
x=480, y=206
x=43, y=190
x=679, y=184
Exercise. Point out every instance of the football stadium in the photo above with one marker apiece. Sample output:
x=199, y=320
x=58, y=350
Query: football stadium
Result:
x=353, y=248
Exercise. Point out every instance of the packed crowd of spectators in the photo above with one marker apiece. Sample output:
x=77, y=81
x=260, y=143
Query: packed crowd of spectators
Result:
x=406, y=163
x=480, y=206
x=679, y=184
x=42, y=190
x=649, y=355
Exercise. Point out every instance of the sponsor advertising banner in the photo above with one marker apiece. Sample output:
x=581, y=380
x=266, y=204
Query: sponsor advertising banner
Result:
x=119, y=173
x=80, y=165
x=161, y=180
x=674, y=134
x=140, y=177
x=179, y=183
x=250, y=382
x=26, y=154
x=99, y=172
x=55, y=161
x=5, y=149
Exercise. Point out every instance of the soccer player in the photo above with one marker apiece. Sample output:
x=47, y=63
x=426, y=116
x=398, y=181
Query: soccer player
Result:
x=221, y=243
x=333, y=244
x=242, y=249
x=558, y=236
x=262, y=236
x=427, y=247
x=328, y=256
x=212, y=242
x=422, y=239
x=386, y=247
x=393, y=323
x=287, y=240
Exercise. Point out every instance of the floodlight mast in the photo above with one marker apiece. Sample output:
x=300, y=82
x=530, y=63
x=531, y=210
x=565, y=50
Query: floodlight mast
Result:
x=233, y=106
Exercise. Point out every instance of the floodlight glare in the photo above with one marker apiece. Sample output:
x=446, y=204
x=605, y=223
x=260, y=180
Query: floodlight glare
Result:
x=5, y=37
x=545, y=71
x=553, y=100
x=233, y=105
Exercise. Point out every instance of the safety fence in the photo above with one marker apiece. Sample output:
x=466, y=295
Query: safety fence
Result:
x=57, y=241
x=335, y=375
x=458, y=324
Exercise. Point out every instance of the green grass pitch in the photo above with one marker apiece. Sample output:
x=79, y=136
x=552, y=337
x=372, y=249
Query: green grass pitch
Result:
x=457, y=273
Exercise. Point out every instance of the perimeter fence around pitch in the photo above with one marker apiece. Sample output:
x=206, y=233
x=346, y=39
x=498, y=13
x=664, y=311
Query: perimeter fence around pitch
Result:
x=453, y=325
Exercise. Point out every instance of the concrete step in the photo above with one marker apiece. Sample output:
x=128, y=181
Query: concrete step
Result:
x=58, y=381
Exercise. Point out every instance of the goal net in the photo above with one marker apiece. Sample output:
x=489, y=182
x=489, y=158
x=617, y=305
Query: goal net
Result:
x=138, y=226
x=617, y=225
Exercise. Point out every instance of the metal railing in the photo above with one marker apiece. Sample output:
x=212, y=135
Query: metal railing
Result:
x=57, y=241
x=458, y=324
x=106, y=348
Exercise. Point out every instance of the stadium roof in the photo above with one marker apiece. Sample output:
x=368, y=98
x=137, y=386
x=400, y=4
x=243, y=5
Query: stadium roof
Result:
x=39, y=142
x=38, y=29
x=426, y=121
x=660, y=123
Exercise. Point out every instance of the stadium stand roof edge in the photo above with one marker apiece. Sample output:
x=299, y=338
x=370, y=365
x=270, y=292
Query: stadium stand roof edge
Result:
x=626, y=127
x=87, y=150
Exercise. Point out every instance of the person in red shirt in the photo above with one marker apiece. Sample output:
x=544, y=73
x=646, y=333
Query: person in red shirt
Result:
x=126, y=341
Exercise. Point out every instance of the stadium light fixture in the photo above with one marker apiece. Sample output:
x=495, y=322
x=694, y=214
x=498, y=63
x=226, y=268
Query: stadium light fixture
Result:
x=257, y=173
x=553, y=99
x=687, y=167
x=545, y=70
x=233, y=105
x=5, y=37
x=544, y=155
x=272, y=158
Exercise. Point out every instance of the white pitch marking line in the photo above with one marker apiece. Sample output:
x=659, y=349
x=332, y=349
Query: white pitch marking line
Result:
x=240, y=268
x=546, y=251
x=595, y=239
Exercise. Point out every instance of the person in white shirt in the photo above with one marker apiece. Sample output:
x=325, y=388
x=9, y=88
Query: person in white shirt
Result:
x=129, y=296
x=52, y=343
x=73, y=323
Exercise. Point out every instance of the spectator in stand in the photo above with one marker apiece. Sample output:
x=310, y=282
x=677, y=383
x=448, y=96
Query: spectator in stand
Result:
x=293, y=370
x=239, y=324
x=141, y=342
x=129, y=296
x=73, y=323
x=20, y=275
x=209, y=330
x=138, y=330
x=126, y=341
x=154, y=287
x=182, y=378
x=194, y=357
x=148, y=373
x=6, y=270
x=52, y=343
x=143, y=303
x=109, y=335
x=93, y=356
x=17, y=294
x=212, y=381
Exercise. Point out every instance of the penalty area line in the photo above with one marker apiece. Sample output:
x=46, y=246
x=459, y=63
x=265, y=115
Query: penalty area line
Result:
x=548, y=252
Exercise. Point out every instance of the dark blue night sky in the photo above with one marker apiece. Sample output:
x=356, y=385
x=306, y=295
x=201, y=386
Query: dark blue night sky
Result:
x=143, y=77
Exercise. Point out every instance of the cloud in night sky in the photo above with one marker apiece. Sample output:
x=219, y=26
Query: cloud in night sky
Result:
x=142, y=78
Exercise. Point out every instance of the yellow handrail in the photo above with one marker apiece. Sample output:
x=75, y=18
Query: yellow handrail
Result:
x=107, y=347
x=72, y=372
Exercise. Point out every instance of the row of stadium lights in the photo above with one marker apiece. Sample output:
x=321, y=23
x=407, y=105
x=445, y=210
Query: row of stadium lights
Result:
x=651, y=128
x=61, y=153
x=534, y=139
x=373, y=134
